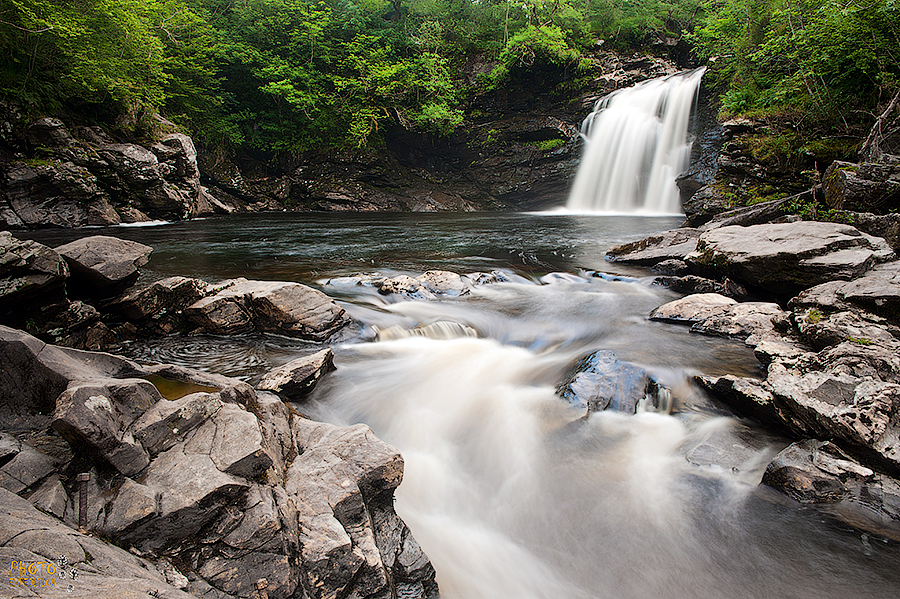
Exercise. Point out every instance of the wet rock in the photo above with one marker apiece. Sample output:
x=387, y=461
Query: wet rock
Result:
x=786, y=258
x=29, y=270
x=172, y=294
x=736, y=447
x=706, y=203
x=600, y=381
x=813, y=471
x=674, y=244
x=297, y=378
x=673, y=268
x=102, y=266
x=286, y=308
x=57, y=193
x=49, y=132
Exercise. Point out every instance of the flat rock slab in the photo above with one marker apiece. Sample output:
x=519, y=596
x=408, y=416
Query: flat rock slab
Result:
x=668, y=245
x=693, y=308
x=788, y=257
x=103, y=265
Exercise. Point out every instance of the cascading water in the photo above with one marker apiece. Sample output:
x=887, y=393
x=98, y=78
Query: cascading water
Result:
x=636, y=143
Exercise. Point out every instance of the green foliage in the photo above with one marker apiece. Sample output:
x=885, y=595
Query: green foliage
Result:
x=533, y=48
x=826, y=62
x=547, y=145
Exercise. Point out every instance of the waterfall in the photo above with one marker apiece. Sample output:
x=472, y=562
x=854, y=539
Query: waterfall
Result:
x=636, y=143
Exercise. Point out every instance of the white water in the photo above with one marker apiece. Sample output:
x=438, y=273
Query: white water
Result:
x=636, y=143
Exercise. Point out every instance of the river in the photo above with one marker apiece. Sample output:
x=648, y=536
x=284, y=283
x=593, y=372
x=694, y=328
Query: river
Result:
x=509, y=489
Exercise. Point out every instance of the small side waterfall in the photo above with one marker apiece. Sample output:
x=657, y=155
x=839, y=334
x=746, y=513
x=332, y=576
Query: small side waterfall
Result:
x=635, y=145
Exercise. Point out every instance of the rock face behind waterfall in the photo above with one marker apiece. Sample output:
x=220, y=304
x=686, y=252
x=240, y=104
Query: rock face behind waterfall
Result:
x=229, y=484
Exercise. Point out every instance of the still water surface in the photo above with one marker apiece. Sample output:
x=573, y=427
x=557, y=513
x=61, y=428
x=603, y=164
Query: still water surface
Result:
x=509, y=490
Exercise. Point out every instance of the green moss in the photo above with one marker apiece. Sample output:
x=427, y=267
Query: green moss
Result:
x=813, y=316
x=546, y=145
x=859, y=340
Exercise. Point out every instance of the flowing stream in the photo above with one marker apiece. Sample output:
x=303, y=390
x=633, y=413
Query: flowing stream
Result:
x=509, y=489
x=636, y=143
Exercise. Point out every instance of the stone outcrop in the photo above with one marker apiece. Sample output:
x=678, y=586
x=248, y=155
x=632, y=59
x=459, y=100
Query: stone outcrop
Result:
x=86, y=179
x=42, y=557
x=431, y=284
x=864, y=187
x=240, y=305
x=229, y=484
x=786, y=258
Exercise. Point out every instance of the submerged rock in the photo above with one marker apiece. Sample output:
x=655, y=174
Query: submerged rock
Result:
x=600, y=381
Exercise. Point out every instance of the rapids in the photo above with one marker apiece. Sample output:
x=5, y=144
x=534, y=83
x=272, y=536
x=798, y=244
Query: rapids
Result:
x=511, y=491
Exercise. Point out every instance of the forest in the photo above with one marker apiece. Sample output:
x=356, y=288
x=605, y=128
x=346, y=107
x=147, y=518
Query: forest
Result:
x=286, y=76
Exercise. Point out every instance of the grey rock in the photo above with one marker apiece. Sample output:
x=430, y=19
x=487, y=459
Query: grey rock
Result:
x=813, y=471
x=238, y=447
x=238, y=576
x=298, y=377
x=28, y=535
x=172, y=294
x=96, y=418
x=55, y=193
x=51, y=498
x=133, y=504
x=192, y=491
x=863, y=187
x=740, y=321
x=758, y=214
x=102, y=265
x=693, y=308
x=673, y=268
x=28, y=270
x=49, y=132
x=692, y=284
x=26, y=469
x=786, y=258
x=669, y=245
x=285, y=308
x=164, y=424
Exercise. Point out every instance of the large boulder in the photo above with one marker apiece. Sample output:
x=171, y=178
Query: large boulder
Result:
x=279, y=307
x=786, y=258
x=102, y=266
x=866, y=187
x=298, y=377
